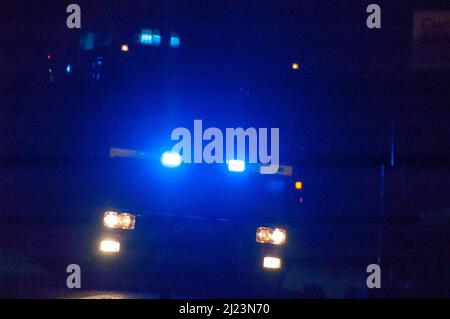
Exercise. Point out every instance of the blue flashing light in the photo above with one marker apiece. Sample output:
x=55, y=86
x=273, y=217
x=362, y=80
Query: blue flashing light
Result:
x=69, y=68
x=156, y=40
x=146, y=38
x=174, y=41
x=236, y=166
x=150, y=37
x=171, y=159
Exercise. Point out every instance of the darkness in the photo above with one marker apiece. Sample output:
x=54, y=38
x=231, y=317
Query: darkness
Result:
x=356, y=107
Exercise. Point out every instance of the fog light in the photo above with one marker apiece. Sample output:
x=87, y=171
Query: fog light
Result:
x=109, y=246
x=121, y=221
x=275, y=236
x=272, y=262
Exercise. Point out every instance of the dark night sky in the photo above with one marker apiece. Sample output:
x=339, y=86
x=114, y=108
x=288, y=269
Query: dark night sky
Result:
x=349, y=73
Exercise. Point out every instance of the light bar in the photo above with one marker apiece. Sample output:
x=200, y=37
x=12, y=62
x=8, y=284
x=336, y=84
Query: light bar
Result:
x=150, y=37
x=236, y=166
x=120, y=221
x=146, y=36
x=272, y=262
x=267, y=235
x=109, y=246
x=171, y=159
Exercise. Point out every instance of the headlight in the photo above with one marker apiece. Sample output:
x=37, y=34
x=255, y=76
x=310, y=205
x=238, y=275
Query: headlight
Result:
x=121, y=221
x=275, y=236
x=272, y=262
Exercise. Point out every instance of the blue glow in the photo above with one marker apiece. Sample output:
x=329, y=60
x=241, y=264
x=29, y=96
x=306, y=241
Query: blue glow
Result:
x=171, y=159
x=146, y=38
x=68, y=68
x=151, y=37
x=156, y=39
x=87, y=41
x=174, y=41
x=236, y=166
x=276, y=185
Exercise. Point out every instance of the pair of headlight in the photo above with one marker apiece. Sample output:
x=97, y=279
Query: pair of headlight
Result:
x=119, y=220
x=267, y=235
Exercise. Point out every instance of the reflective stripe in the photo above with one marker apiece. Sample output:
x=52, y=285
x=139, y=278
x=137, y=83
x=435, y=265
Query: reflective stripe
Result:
x=282, y=170
x=127, y=153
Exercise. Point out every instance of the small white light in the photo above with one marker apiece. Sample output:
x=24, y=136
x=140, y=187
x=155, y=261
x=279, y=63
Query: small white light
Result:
x=110, y=246
x=236, y=166
x=272, y=262
x=171, y=159
x=278, y=236
x=111, y=219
